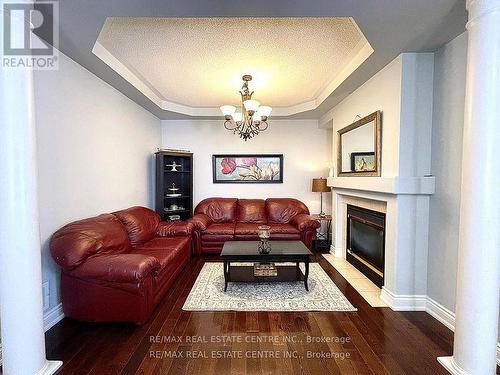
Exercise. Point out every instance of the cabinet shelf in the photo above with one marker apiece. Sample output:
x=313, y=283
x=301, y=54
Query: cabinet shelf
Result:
x=174, y=211
x=181, y=180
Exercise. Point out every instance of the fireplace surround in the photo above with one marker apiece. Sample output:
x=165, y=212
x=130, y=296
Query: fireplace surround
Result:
x=406, y=234
x=365, y=242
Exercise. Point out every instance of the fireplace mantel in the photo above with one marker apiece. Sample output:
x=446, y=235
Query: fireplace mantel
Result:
x=386, y=185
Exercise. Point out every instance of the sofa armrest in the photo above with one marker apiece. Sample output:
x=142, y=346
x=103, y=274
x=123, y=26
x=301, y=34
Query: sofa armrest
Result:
x=305, y=222
x=117, y=268
x=174, y=228
x=200, y=221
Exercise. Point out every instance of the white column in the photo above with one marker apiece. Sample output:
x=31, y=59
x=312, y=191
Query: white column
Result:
x=478, y=279
x=22, y=333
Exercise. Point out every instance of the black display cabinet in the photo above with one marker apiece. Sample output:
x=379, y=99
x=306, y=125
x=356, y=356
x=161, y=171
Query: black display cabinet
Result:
x=174, y=185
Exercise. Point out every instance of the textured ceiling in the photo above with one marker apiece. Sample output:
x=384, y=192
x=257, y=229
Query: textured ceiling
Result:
x=391, y=27
x=198, y=62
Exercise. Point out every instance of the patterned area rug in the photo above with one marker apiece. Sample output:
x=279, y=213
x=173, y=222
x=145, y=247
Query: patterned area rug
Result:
x=208, y=293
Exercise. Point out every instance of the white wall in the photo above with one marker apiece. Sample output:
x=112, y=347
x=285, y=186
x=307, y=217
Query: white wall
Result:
x=448, y=122
x=94, y=152
x=306, y=150
x=381, y=92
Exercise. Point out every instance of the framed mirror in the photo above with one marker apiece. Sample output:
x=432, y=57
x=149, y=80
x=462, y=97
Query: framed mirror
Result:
x=359, y=147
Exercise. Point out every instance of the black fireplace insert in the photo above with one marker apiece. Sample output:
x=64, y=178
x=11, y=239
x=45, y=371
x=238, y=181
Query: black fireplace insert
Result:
x=366, y=242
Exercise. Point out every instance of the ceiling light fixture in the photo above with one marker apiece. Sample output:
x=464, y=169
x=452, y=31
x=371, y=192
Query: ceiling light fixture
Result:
x=253, y=117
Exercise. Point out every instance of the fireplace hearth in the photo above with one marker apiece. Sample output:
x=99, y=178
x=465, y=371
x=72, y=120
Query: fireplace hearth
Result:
x=366, y=242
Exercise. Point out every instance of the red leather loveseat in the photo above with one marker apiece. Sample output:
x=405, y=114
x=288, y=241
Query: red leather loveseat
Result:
x=218, y=220
x=117, y=267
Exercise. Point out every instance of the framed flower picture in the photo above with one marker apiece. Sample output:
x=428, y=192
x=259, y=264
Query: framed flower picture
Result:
x=252, y=168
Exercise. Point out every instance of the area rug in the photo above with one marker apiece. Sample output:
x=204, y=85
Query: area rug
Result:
x=208, y=293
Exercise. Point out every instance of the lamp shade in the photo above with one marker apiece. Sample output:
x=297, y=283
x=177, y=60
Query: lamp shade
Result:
x=319, y=185
x=237, y=116
x=251, y=105
x=265, y=111
x=227, y=110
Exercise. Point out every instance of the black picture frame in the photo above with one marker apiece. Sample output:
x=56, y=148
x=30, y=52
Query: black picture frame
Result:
x=356, y=155
x=215, y=164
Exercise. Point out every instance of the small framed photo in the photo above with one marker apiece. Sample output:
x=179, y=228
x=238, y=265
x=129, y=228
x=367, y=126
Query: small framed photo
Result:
x=362, y=161
x=251, y=168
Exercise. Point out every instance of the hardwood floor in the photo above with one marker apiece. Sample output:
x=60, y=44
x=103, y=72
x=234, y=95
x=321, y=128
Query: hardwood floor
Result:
x=376, y=340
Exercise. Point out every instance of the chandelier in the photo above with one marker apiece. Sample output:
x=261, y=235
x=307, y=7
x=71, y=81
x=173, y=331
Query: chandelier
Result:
x=251, y=120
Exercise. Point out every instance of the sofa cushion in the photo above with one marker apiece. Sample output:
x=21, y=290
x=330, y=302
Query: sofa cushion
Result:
x=141, y=223
x=246, y=232
x=219, y=233
x=226, y=228
x=71, y=245
x=251, y=211
x=283, y=210
x=166, y=256
x=117, y=268
x=284, y=232
x=283, y=228
x=246, y=228
x=171, y=253
x=219, y=210
x=166, y=243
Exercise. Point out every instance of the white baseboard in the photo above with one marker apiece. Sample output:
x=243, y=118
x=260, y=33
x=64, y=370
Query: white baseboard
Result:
x=447, y=317
x=52, y=317
x=449, y=364
x=441, y=313
x=402, y=302
x=50, y=368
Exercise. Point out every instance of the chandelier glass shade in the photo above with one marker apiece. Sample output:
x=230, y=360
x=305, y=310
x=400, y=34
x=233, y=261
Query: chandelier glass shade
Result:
x=253, y=117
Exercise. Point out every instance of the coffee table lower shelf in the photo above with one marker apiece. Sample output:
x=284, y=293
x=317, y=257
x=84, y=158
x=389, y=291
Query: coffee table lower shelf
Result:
x=245, y=274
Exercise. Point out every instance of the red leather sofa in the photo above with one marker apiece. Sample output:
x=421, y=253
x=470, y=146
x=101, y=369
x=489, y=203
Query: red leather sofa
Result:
x=218, y=220
x=117, y=267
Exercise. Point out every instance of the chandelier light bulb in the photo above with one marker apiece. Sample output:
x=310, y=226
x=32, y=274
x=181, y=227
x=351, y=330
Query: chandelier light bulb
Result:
x=256, y=118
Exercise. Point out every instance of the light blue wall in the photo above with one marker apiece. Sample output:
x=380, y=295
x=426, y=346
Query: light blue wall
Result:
x=448, y=120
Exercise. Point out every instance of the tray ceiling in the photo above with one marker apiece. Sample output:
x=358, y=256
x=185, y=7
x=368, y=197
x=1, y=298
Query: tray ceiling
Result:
x=194, y=65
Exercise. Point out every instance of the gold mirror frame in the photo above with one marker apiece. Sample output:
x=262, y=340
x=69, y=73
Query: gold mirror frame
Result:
x=377, y=136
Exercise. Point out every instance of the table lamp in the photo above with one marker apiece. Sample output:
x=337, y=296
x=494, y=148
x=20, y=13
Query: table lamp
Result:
x=319, y=186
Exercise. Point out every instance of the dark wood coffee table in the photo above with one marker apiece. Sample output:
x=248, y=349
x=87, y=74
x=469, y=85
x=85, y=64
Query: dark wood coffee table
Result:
x=281, y=252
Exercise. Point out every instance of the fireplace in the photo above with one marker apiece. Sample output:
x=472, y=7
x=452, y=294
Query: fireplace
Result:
x=366, y=242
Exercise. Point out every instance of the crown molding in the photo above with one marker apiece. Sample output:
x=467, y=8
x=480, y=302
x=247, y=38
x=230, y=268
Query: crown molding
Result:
x=364, y=50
